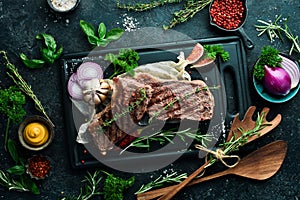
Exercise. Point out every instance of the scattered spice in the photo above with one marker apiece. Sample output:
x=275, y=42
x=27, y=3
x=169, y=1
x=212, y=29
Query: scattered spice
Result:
x=39, y=166
x=227, y=14
x=129, y=23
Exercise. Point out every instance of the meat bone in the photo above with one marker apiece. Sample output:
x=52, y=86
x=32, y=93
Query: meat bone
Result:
x=246, y=124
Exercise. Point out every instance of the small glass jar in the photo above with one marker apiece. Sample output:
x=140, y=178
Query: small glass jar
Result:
x=63, y=5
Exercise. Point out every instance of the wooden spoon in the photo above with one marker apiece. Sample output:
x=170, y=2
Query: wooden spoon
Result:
x=246, y=124
x=258, y=165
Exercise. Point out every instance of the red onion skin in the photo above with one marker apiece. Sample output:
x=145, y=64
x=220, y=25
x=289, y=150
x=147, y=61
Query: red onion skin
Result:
x=276, y=81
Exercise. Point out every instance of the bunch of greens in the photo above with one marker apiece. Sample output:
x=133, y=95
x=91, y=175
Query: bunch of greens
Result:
x=189, y=10
x=16, y=178
x=275, y=30
x=49, y=53
x=22, y=84
x=11, y=105
x=124, y=62
x=212, y=51
x=103, y=38
x=269, y=56
x=115, y=186
x=112, y=190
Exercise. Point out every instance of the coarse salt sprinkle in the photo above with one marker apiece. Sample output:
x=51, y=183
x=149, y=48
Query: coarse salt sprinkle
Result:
x=63, y=5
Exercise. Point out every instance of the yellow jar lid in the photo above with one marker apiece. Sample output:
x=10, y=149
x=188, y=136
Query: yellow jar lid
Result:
x=35, y=134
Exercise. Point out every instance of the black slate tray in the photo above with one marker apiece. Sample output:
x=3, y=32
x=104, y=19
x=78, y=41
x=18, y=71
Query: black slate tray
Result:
x=233, y=79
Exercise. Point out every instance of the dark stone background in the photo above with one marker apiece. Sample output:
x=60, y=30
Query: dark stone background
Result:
x=21, y=21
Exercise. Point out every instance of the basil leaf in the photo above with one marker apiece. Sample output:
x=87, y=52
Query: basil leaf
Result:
x=29, y=184
x=93, y=40
x=114, y=34
x=102, y=30
x=87, y=28
x=58, y=53
x=32, y=63
x=103, y=42
x=11, y=145
x=16, y=170
x=49, y=41
x=47, y=55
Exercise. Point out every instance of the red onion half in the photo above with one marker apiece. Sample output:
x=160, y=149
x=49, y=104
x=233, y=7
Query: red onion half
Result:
x=276, y=81
x=292, y=69
x=85, y=72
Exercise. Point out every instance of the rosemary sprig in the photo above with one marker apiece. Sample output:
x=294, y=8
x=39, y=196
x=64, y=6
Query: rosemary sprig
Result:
x=91, y=188
x=23, y=85
x=274, y=30
x=11, y=184
x=235, y=143
x=146, y=6
x=160, y=181
x=165, y=136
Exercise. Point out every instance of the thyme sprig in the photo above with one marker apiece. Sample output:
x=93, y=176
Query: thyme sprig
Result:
x=275, y=30
x=146, y=6
x=189, y=10
x=165, y=136
x=161, y=180
x=23, y=85
x=235, y=143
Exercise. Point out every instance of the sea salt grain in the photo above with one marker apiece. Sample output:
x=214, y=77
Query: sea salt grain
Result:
x=129, y=23
x=63, y=5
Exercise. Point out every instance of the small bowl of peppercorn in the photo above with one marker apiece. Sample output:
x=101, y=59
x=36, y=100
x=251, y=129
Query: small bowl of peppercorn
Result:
x=230, y=16
x=38, y=167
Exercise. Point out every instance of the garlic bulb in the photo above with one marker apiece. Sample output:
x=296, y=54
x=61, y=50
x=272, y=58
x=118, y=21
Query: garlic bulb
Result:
x=95, y=91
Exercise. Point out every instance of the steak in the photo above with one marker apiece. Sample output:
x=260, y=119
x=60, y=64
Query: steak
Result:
x=143, y=95
x=163, y=100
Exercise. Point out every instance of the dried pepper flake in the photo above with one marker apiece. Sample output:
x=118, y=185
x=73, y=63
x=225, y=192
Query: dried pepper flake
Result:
x=39, y=167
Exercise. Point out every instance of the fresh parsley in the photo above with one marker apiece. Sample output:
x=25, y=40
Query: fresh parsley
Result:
x=124, y=62
x=49, y=52
x=212, y=51
x=114, y=186
x=270, y=57
x=102, y=38
x=11, y=105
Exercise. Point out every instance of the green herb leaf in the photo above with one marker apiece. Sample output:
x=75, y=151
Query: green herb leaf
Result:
x=114, y=187
x=47, y=55
x=87, y=28
x=114, y=34
x=29, y=184
x=16, y=170
x=102, y=30
x=49, y=41
x=32, y=63
x=125, y=61
x=58, y=53
x=270, y=57
x=213, y=51
x=93, y=40
x=11, y=145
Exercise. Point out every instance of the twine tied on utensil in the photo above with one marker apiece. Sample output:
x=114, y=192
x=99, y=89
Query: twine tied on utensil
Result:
x=220, y=155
